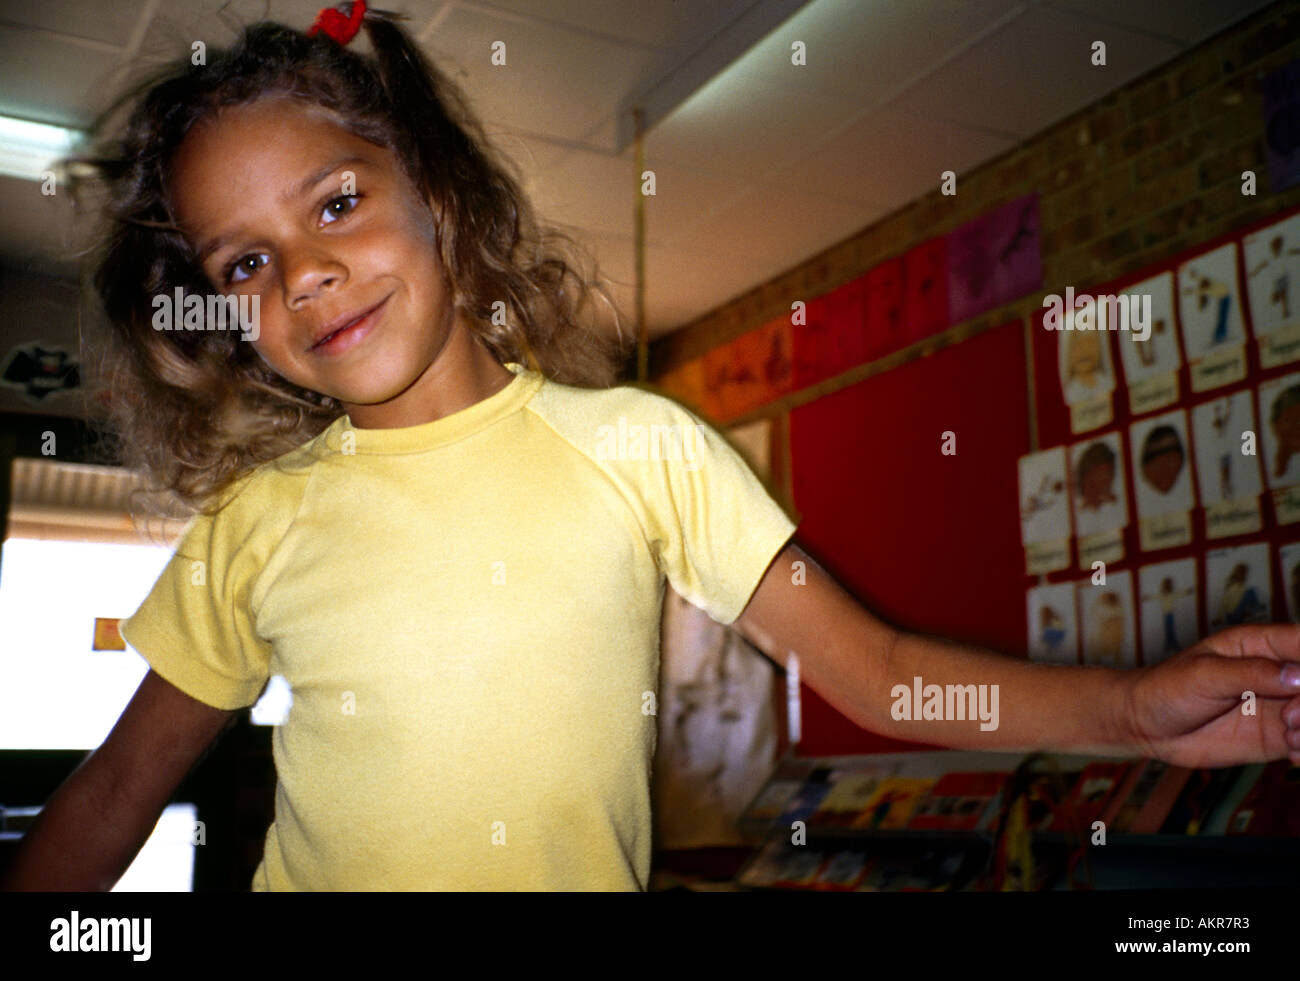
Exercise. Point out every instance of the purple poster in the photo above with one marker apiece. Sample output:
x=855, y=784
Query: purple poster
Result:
x=1282, y=125
x=994, y=259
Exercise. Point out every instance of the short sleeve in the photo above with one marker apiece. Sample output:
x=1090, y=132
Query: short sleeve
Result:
x=714, y=527
x=195, y=628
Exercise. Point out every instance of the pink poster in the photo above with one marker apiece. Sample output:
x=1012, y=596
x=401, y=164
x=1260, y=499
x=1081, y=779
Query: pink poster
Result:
x=994, y=259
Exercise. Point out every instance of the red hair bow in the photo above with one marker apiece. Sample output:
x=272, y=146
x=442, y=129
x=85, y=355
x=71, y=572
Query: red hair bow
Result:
x=341, y=29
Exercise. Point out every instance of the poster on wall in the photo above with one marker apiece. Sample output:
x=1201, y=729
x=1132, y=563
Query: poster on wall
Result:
x=1279, y=413
x=1150, y=356
x=1045, y=511
x=1109, y=638
x=1053, y=633
x=1237, y=587
x=1100, y=500
x=1227, y=464
x=1086, y=373
x=1168, y=604
x=1162, y=480
x=1272, y=257
x=994, y=259
x=1209, y=308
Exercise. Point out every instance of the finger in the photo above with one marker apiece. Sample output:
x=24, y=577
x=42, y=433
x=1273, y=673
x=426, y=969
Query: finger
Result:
x=1266, y=678
x=1276, y=641
x=1291, y=713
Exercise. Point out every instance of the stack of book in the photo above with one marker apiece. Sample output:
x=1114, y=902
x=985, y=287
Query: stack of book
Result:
x=812, y=823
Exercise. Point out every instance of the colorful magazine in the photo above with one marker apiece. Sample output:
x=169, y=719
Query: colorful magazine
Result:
x=960, y=802
x=890, y=807
x=845, y=801
x=1097, y=785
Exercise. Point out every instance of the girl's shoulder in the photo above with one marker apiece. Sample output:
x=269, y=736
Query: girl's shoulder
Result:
x=269, y=486
x=630, y=402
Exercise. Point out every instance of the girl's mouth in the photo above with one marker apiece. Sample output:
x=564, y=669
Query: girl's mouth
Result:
x=352, y=334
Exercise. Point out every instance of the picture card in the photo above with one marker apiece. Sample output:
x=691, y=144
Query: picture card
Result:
x=1109, y=637
x=1237, y=586
x=1053, y=632
x=1168, y=605
x=1209, y=309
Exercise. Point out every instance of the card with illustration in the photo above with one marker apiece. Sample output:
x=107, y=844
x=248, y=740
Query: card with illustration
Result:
x=1226, y=451
x=1086, y=374
x=1109, y=638
x=1100, y=502
x=1162, y=465
x=1162, y=480
x=1053, y=633
x=1045, y=511
x=1150, y=356
x=1272, y=257
x=1289, y=557
x=1279, y=430
x=1168, y=604
x=1237, y=586
x=1209, y=310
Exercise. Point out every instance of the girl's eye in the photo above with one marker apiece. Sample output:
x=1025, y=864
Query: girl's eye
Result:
x=242, y=265
x=340, y=206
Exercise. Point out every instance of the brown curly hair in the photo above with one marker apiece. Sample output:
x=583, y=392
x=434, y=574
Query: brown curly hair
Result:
x=195, y=411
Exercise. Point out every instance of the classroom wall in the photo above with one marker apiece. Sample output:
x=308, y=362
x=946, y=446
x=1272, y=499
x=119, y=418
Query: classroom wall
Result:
x=1146, y=173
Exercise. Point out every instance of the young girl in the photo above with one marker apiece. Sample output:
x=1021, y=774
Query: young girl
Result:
x=425, y=508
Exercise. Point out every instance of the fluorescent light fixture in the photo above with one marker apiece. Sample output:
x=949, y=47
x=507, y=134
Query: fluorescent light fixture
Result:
x=28, y=150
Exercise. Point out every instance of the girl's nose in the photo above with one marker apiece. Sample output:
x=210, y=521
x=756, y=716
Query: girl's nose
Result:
x=308, y=273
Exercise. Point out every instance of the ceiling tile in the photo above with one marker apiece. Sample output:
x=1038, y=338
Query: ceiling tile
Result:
x=862, y=50
x=554, y=81
x=669, y=25
x=94, y=20
x=51, y=81
x=1034, y=71
x=768, y=229
x=889, y=156
x=589, y=191
x=727, y=128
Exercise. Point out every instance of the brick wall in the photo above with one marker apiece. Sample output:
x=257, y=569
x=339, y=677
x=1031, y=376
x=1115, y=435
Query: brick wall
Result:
x=1146, y=172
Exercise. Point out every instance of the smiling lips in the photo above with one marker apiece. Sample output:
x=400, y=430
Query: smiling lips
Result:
x=350, y=326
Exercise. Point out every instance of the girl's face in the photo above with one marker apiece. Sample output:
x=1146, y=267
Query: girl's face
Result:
x=260, y=193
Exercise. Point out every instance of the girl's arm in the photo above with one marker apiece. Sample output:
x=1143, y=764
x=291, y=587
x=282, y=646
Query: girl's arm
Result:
x=1190, y=709
x=90, y=830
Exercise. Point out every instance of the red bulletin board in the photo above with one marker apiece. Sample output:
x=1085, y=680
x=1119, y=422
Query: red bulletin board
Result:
x=929, y=542
x=1054, y=428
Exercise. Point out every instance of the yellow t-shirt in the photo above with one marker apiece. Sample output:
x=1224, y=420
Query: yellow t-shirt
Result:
x=467, y=612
